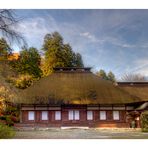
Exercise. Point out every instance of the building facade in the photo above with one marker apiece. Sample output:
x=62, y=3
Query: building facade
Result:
x=106, y=104
x=76, y=115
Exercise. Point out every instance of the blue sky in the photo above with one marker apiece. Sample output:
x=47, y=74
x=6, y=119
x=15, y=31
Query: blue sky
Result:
x=115, y=40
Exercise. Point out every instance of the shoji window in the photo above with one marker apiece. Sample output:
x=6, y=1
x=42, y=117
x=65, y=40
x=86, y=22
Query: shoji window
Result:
x=73, y=115
x=76, y=115
x=116, y=115
x=31, y=115
x=44, y=115
x=102, y=115
x=57, y=115
x=70, y=115
x=89, y=115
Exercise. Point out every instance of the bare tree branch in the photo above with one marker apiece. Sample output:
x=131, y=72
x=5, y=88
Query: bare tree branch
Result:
x=8, y=23
x=133, y=78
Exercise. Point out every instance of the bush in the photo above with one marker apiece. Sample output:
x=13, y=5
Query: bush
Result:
x=6, y=132
x=14, y=119
x=11, y=110
x=3, y=118
x=10, y=115
x=24, y=81
x=144, y=121
x=9, y=121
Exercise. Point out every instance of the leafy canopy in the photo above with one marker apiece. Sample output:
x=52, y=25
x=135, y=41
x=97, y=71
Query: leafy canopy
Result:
x=58, y=54
x=29, y=62
x=110, y=76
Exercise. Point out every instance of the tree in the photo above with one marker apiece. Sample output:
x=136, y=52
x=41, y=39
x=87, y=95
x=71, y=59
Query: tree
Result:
x=111, y=77
x=53, y=45
x=8, y=22
x=29, y=62
x=78, y=62
x=133, y=78
x=102, y=74
x=5, y=49
x=58, y=54
x=68, y=56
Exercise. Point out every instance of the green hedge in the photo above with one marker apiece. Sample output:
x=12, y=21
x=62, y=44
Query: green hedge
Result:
x=144, y=121
x=6, y=132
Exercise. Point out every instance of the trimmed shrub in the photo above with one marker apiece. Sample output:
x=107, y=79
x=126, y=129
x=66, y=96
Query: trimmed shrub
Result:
x=144, y=121
x=6, y=132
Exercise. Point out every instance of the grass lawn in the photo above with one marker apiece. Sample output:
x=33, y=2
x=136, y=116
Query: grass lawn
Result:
x=81, y=134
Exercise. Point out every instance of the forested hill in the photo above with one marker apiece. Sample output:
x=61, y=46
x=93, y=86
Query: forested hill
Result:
x=8, y=92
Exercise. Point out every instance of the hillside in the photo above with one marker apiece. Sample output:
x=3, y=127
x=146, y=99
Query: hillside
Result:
x=7, y=90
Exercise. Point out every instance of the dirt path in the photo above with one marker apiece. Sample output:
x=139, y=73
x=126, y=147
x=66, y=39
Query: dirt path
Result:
x=80, y=134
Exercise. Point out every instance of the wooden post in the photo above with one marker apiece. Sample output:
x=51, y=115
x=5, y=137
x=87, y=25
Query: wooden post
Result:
x=20, y=115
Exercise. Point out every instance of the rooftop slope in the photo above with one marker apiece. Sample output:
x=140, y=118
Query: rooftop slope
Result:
x=139, y=91
x=75, y=88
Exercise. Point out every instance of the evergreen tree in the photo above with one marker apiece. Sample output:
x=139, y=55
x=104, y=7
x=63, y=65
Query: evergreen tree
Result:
x=78, y=60
x=29, y=62
x=111, y=77
x=102, y=74
x=58, y=54
x=68, y=56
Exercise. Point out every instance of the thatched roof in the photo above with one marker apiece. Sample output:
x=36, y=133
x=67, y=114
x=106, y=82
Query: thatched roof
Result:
x=75, y=87
x=138, y=89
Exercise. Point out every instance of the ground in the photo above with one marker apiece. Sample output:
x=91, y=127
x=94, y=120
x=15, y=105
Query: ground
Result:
x=56, y=133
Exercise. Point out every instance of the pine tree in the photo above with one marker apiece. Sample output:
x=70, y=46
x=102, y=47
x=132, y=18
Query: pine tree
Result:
x=111, y=77
x=102, y=74
x=58, y=54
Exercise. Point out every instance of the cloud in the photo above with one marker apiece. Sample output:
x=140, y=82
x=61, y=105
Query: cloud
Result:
x=106, y=39
x=117, y=42
x=34, y=29
x=91, y=37
x=109, y=39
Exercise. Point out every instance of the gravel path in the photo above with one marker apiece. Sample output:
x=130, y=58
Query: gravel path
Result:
x=81, y=134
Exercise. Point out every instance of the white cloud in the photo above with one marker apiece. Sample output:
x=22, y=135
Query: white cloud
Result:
x=34, y=29
x=107, y=38
x=91, y=37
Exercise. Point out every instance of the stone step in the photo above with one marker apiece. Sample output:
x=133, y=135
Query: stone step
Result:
x=74, y=127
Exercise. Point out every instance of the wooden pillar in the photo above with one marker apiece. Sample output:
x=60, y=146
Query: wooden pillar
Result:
x=20, y=115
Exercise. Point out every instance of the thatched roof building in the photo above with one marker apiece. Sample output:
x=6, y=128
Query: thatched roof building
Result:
x=138, y=89
x=80, y=86
x=77, y=97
